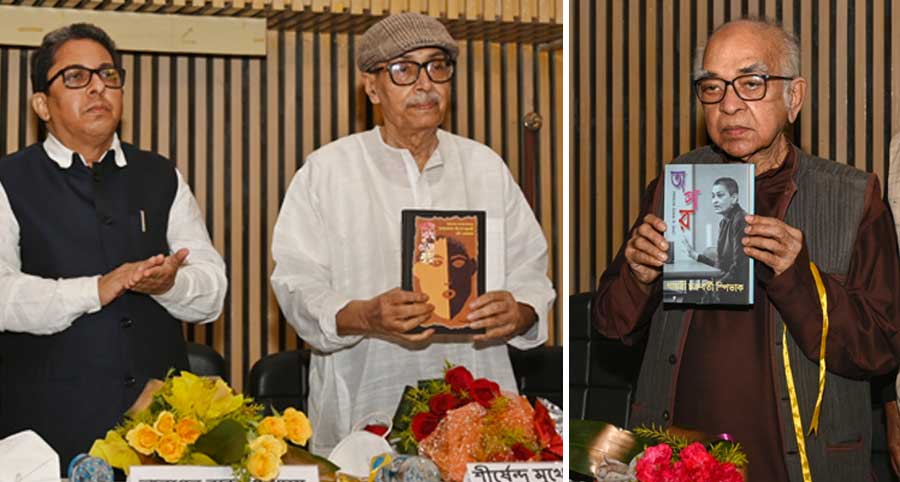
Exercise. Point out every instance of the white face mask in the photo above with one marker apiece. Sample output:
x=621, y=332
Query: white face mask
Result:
x=353, y=453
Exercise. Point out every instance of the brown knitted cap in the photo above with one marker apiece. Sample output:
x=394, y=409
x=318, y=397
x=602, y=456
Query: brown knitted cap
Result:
x=397, y=34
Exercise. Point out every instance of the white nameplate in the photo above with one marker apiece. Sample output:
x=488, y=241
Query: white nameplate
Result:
x=195, y=473
x=515, y=472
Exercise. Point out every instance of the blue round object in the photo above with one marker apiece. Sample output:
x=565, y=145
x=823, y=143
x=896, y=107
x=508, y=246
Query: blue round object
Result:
x=84, y=468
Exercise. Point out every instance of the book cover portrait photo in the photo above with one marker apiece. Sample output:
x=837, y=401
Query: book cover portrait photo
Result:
x=705, y=206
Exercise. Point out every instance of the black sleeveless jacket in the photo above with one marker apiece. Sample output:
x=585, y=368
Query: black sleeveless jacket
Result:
x=72, y=386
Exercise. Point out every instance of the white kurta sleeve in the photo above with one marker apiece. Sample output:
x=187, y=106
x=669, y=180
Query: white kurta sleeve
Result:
x=198, y=294
x=526, y=263
x=32, y=304
x=302, y=279
x=893, y=189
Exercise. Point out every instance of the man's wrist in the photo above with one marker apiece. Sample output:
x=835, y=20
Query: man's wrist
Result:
x=351, y=319
x=106, y=291
x=528, y=317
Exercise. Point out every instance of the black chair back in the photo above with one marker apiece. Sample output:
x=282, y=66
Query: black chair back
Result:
x=206, y=361
x=281, y=380
x=602, y=372
x=539, y=372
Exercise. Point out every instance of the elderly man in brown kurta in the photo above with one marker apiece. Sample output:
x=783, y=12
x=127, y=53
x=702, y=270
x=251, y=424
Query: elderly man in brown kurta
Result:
x=721, y=370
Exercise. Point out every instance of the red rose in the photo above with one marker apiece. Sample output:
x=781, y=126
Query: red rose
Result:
x=484, y=392
x=521, y=453
x=441, y=403
x=423, y=424
x=459, y=379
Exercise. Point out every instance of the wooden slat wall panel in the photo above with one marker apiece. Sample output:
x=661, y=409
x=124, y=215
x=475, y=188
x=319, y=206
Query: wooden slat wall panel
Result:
x=238, y=129
x=633, y=110
x=526, y=11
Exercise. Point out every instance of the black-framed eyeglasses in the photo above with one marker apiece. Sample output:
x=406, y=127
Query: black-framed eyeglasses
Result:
x=406, y=72
x=748, y=87
x=78, y=76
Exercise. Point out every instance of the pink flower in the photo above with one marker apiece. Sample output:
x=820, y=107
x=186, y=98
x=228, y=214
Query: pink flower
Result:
x=680, y=473
x=699, y=465
x=658, y=454
x=727, y=473
x=656, y=465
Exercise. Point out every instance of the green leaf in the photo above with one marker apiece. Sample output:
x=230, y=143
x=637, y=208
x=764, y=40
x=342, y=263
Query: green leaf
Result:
x=404, y=409
x=225, y=443
x=198, y=458
x=731, y=452
x=299, y=456
x=591, y=441
x=656, y=435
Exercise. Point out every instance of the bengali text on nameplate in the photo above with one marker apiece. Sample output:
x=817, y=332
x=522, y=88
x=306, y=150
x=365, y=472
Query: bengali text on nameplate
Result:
x=515, y=472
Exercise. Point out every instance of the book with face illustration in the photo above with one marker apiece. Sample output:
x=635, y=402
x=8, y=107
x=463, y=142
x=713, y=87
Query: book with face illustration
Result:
x=443, y=257
x=704, y=209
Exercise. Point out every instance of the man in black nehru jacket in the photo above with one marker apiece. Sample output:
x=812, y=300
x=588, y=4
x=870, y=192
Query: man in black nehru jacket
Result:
x=102, y=250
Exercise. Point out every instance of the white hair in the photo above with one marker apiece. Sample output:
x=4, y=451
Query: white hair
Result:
x=789, y=61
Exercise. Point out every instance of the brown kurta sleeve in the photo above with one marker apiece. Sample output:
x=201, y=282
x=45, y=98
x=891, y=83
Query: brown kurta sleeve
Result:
x=620, y=308
x=863, y=310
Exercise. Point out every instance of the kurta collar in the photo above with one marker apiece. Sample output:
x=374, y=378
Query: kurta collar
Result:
x=435, y=160
x=63, y=156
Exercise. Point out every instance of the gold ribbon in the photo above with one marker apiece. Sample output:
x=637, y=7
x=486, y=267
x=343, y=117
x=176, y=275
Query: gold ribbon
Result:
x=823, y=300
x=789, y=377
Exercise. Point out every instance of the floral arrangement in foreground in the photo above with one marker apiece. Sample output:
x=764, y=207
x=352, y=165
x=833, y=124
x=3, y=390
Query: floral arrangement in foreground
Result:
x=192, y=420
x=674, y=459
x=460, y=419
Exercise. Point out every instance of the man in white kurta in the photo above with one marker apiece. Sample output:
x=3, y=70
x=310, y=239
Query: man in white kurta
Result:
x=337, y=243
x=892, y=414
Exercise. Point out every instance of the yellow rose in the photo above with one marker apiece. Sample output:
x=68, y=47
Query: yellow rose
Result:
x=269, y=444
x=189, y=430
x=263, y=465
x=298, y=427
x=274, y=426
x=171, y=448
x=165, y=422
x=143, y=438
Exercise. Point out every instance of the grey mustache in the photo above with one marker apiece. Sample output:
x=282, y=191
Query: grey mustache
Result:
x=423, y=98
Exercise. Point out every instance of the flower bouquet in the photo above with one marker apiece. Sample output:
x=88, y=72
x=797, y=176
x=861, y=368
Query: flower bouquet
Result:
x=192, y=420
x=603, y=451
x=674, y=459
x=459, y=419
